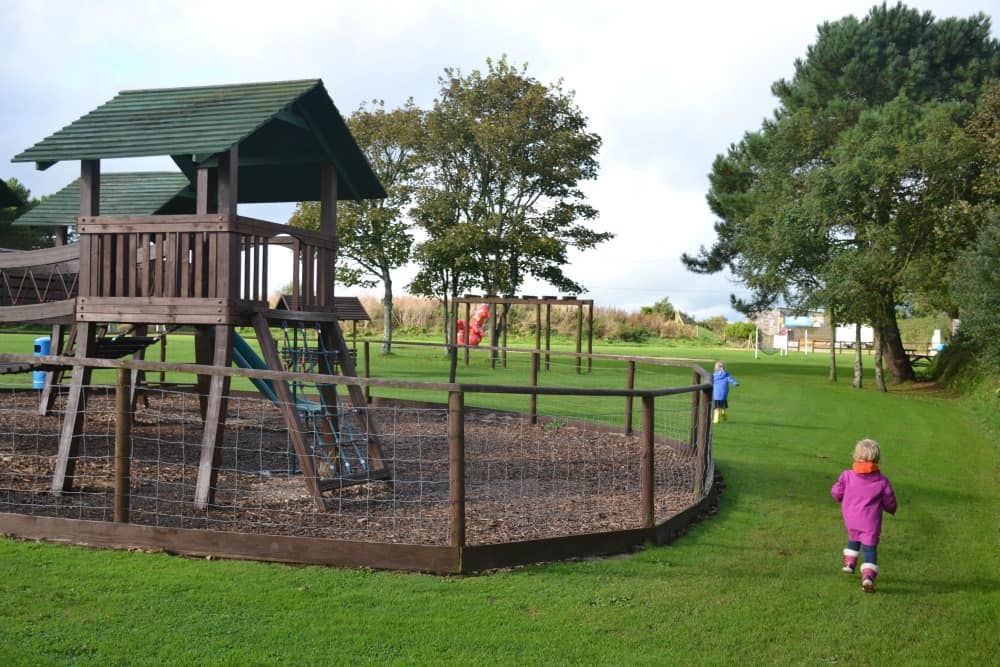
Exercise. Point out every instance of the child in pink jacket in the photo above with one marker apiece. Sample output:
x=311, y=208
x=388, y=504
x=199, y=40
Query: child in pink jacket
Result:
x=864, y=493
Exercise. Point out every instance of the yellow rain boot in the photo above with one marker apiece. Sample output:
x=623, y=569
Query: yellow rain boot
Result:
x=725, y=417
x=715, y=415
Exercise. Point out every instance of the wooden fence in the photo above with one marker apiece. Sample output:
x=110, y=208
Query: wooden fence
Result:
x=457, y=554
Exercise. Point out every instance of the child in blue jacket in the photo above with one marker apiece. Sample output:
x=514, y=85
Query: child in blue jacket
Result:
x=721, y=379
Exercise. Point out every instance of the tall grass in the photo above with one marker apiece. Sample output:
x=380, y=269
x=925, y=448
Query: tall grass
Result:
x=417, y=316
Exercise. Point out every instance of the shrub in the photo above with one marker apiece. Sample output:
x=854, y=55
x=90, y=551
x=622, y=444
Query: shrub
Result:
x=739, y=331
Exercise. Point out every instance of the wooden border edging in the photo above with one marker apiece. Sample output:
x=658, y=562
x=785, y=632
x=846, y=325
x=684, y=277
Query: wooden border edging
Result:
x=239, y=546
x=342, y=553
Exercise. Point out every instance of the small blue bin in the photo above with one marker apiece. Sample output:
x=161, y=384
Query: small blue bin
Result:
x=42, y=346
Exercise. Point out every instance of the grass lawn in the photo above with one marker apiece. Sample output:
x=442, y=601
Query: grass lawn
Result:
x=759, y=583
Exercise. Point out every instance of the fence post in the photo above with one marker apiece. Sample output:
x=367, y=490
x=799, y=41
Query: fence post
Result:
x=629, y=384
x=701, y=452
x=648, y=472
x=452, y=339
x=456, y=468
x=695, y=407
x=123, y=433
x=535, y=363
x=579, y=338
x=368, y=374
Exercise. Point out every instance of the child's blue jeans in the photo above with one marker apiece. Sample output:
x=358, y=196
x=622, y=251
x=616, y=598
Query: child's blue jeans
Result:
x=868, y=551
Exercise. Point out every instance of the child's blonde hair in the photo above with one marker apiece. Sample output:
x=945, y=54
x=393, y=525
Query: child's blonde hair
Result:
x=867, y=450
x=720, y=365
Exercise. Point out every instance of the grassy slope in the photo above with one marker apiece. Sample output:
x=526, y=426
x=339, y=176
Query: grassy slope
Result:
x=758, y=583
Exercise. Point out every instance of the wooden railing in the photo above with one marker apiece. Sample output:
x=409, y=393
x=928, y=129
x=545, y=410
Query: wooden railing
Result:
x=170, y=261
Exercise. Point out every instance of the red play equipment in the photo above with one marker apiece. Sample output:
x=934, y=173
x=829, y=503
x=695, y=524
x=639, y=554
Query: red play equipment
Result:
x=475, y=326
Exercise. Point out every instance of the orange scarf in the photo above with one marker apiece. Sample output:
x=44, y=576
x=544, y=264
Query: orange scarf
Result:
x=864, y=467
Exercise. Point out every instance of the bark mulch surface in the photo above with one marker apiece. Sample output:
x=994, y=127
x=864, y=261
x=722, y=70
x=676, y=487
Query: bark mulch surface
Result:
x=523, y=481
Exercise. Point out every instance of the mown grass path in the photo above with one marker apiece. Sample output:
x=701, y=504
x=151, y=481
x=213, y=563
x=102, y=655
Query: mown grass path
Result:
x=759, y=583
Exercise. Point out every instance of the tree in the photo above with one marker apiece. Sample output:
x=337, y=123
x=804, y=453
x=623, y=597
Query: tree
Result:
x=374, y=235
x=859, y=190
x=506, y=156
x=446, y=268
x=22, y=238
x=663, y=308
x=976, y=285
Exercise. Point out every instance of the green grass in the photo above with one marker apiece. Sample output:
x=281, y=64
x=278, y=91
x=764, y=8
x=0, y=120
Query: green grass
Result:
x=758, y=583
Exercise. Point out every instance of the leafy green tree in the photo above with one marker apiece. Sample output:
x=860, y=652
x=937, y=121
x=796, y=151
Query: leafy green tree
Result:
x=446, y=267
x=976, y=285
x=858, y=191
x=22, y=238
x=663, y=308
x=509, y=154
x=374, y=235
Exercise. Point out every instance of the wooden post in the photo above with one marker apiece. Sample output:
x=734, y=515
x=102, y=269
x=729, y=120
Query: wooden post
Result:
x=453, y=341
x=468, y=316
x=493, y=336
x=648, y=473
x=456, y=469
x=203, y=357
x=548, y=333
x=695, y=410
x=701, y=452
x=590, y=336
x=535, y=362
x=215, y=419
x=629, y=384
x=503, y=333
x=48, y=398
x=368, y=374
x=76, y=399
x=579, y=337
x=538, y=326
x=163, y=355
x=138, y=377
x=123, y=442
x=228, y=185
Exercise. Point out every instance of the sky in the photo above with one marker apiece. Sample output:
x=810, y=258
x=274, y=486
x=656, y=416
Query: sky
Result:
x=667, y=86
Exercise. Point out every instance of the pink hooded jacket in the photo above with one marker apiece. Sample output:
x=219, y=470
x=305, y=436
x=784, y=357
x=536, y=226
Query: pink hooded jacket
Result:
x=862, y=498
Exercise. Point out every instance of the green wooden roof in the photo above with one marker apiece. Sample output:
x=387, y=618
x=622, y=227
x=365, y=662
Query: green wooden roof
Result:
x=134, y=193
x=8, y=197
x=285, y=131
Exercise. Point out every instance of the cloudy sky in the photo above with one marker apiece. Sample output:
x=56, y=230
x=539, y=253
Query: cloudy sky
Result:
x=667, y=85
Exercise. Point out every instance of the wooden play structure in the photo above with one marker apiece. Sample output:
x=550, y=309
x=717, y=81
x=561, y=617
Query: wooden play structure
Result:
x=172, y=250
x=540, y=303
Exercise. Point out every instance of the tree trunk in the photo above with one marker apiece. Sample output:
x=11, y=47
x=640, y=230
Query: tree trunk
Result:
x=833, y=348
x=879, y=373
x=387, y=313
x=450, y=330
x=858, y=365
x=891, y=344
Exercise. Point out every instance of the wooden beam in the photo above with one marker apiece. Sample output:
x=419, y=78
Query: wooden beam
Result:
x=334, y=340
x=72, y=431
x=228, y=183
x=215, y=420
x=286, y=404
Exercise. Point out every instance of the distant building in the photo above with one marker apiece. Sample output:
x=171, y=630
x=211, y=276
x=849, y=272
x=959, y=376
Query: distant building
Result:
x=787, y=328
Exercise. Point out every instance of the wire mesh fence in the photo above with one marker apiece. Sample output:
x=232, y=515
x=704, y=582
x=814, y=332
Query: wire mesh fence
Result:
x=557, y=473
